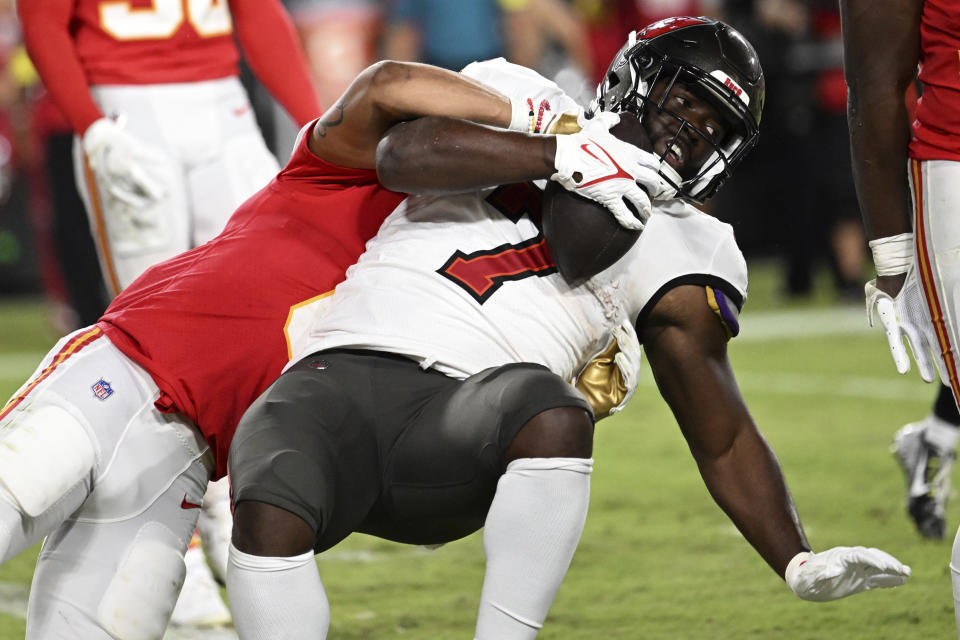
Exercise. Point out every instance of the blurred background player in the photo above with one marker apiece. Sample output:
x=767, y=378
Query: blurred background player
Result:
x=916, y=293
x=167, y=147
x=340, y=38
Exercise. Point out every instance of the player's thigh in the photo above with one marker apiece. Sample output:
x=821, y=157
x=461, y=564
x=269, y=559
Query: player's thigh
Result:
x=306, y=446
x=62, y=429
x=217, y=186
x=117, y=578
x=442, y=472
x=936, y=187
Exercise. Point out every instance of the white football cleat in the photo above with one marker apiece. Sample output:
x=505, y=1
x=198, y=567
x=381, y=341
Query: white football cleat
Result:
x=927, y=467
x=199, y=604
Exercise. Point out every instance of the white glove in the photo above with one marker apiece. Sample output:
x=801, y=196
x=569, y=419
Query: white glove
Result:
x=118, y=161
x=628, y=360
x=907, y=316
x=843, y=571
x=596, y=165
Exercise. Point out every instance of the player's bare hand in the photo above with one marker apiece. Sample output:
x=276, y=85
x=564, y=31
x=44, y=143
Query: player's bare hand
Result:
x=906, y=317
x=120, y=165
x=597, y=165
x=843, y=571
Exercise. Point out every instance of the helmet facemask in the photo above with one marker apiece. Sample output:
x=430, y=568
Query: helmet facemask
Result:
x=641, y=81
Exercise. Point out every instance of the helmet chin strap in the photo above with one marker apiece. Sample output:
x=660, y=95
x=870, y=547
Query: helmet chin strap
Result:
x=670, y=174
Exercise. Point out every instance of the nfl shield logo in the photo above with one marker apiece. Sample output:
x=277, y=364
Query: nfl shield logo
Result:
x=102, y=389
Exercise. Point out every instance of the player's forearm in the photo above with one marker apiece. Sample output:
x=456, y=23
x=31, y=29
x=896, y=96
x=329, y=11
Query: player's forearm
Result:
x=404, y=90
x=879, y=136
x=47, y=39
x=272, y=49
x=878, y=77
x=686, y=347
x=389, y=92
x=436, y=155
x=746, y=482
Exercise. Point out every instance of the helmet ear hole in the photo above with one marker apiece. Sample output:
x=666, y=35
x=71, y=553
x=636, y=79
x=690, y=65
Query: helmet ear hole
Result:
x=612, y=80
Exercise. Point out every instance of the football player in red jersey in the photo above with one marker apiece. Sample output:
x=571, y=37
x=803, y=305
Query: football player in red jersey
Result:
x=167, y=146
x=908, y=183
x=112, y=441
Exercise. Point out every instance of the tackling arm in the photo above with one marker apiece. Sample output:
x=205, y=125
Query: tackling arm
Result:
x=389, y=92
x=46, y=34
x=436, y=155
x=686, y=346
x=878, y=78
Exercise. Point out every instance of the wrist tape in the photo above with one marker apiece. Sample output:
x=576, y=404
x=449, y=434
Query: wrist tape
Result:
x=892, y=255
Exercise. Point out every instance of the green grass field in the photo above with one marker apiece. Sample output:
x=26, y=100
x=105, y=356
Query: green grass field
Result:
x=658, y=560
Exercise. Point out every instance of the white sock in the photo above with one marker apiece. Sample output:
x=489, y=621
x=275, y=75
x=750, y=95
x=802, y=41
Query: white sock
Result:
x=530, y=535
x=277, y=598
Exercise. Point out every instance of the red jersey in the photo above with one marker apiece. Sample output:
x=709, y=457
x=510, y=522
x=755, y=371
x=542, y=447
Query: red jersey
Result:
x=208, y=325
x=154, y=41
x=936, y=129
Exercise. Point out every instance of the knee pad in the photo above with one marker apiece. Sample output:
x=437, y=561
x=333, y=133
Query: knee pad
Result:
x=139, y=600
x=46, y=452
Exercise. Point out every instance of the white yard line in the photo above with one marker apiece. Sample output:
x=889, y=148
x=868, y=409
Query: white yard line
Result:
x=826, y=385
x=13, y=599
x=803, y=323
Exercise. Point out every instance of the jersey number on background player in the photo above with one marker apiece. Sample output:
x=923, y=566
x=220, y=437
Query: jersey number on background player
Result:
x=481, y=273
x=163, y=18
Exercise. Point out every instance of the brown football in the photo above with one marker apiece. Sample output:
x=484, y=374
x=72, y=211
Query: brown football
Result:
x=583, y=236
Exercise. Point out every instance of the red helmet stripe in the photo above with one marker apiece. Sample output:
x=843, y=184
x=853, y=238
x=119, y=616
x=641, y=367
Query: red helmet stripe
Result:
x=667, y=25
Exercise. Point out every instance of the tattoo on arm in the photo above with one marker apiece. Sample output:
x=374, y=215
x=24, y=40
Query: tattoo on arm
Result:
x=325, y=124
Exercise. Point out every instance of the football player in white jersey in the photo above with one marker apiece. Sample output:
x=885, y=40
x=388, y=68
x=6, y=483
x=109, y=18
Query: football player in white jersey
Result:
x=431, y=395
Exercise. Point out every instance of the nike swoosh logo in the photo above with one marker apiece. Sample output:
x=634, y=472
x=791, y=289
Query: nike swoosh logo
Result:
x=185, y=504
x=616, y=175
x=239, y=111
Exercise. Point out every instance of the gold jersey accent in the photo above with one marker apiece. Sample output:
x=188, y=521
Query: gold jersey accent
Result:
x=602, y=383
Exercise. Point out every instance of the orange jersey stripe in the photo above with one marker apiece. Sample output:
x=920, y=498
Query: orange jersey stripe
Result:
x=72, y=347
x=110, y=271
x=927, y=280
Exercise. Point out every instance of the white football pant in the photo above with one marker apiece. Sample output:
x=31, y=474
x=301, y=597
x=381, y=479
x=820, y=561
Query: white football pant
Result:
x=935, y=186
x=207, y=152
x=114, y=484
